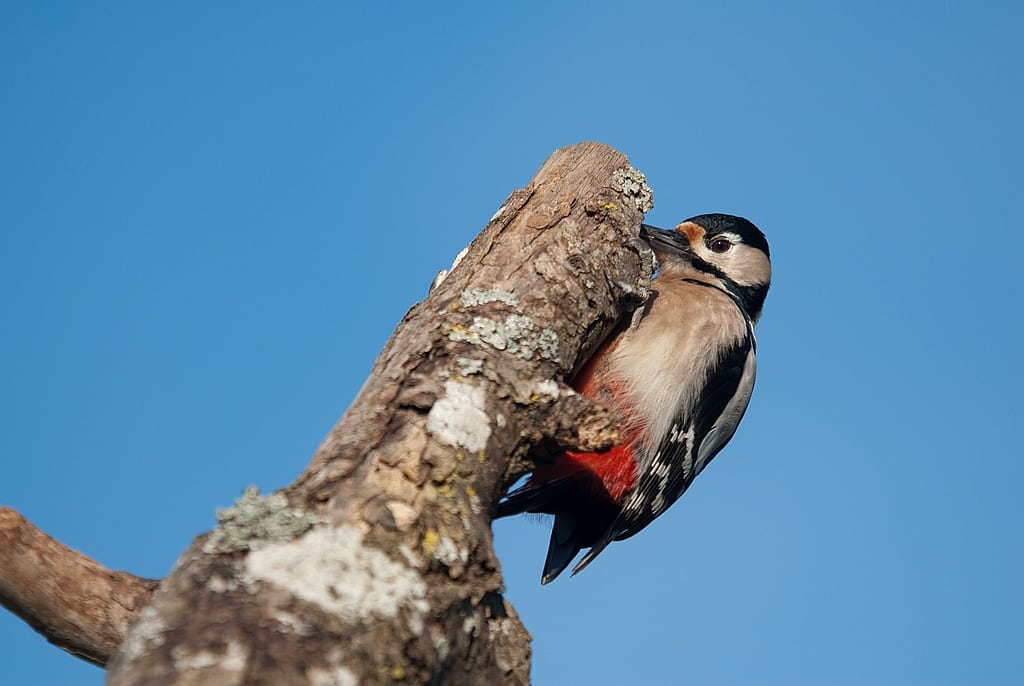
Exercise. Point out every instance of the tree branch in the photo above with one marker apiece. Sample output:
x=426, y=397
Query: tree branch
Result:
x=377, y=565
x=77, y=604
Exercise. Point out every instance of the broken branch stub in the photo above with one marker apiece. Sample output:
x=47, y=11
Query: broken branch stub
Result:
x=377, y=565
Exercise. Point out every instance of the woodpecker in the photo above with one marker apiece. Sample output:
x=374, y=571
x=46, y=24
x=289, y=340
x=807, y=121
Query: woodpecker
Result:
x=680, y=377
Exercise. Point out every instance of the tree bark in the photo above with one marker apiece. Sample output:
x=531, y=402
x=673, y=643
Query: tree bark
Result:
x=76, y=603
x=376, y=565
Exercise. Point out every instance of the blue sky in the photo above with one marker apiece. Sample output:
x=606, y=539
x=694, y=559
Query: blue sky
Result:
x=212, y=215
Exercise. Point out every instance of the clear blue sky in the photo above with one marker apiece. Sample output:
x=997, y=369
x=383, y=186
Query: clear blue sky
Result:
x=213, y=215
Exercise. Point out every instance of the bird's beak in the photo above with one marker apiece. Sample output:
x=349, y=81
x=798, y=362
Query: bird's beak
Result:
x=666, y=242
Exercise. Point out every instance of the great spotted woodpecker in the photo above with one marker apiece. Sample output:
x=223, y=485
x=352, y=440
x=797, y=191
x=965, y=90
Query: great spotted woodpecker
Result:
x=680, y=379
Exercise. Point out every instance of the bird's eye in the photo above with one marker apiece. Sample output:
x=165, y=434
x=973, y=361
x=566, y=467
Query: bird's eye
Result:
x=720, y=245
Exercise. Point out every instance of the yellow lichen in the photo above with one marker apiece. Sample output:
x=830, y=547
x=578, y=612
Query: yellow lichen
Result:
x=431, y=539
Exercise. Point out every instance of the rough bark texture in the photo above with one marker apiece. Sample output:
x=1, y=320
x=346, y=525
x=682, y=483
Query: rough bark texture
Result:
x=76, y=603
x=377, y=566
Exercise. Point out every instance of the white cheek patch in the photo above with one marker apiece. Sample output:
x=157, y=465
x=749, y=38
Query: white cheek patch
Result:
x=743, y=264
x=749, y=267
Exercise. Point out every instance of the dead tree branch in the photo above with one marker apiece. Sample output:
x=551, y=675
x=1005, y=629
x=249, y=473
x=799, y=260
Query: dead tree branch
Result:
x=377, y=565
x=76, y=603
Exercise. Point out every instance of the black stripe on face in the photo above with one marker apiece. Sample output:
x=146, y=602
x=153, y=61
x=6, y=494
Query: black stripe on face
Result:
x=750, y=299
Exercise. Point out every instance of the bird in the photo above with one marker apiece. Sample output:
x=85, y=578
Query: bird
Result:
x=680, y=376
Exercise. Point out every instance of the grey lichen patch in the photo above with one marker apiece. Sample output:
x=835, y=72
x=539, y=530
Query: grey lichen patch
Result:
x=475, y=506
x=220, y=584
x=549, y=389
x=633, y=185
x=459, y=417
x=233, y=659
x=467, y=366
x=481, y=296
x=333, y=568
x=331, y=676
x=471, y=624
x=147, y=633
x=255, y=521
x=440, y=642
x=411, y=558
x=288, y=623
x=451, y=556
x=516, y=333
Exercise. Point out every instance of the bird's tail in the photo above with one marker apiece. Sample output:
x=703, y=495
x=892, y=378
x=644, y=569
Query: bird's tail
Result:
x=533, y=498
x=570, y=532
x=564, y=546
x=540, y=498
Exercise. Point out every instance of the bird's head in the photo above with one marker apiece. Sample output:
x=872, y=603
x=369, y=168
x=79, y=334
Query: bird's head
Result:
x=721, y=247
